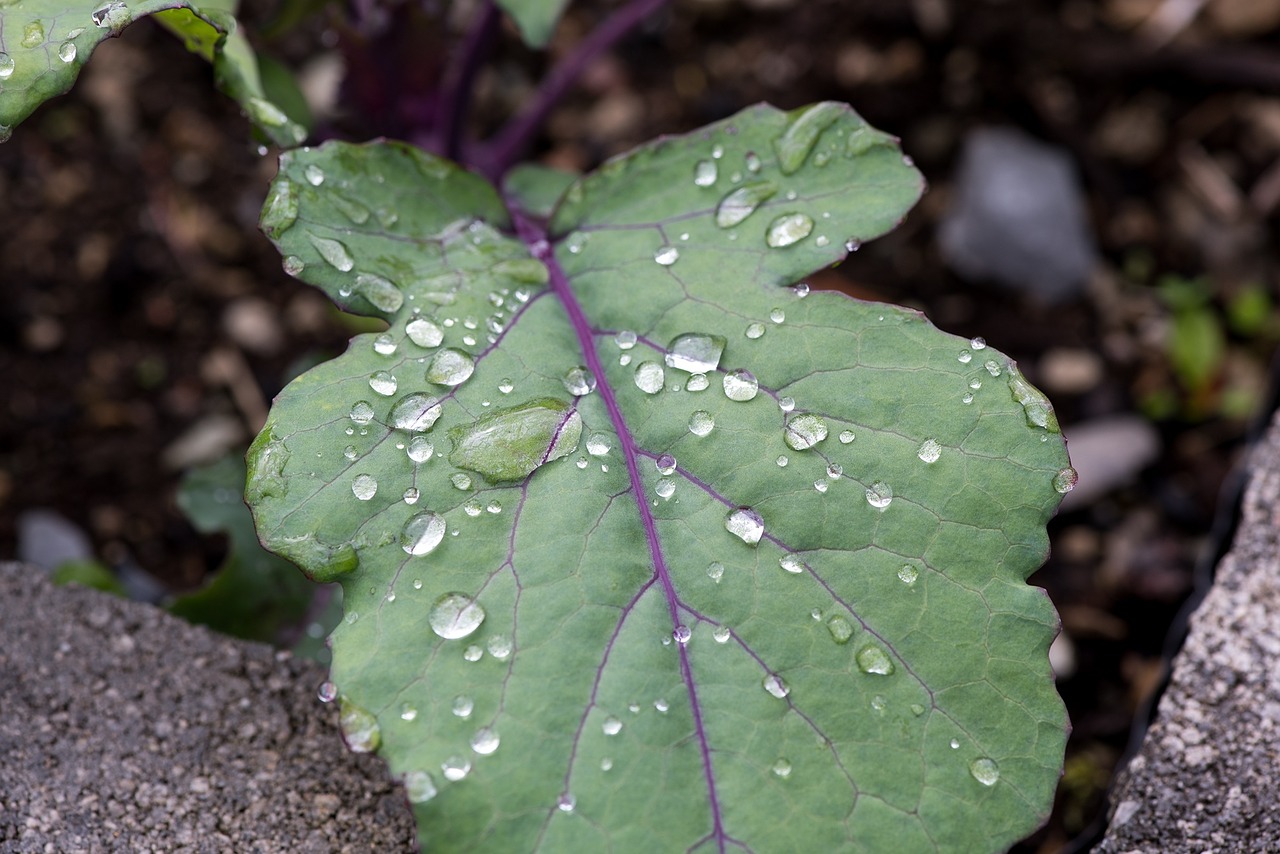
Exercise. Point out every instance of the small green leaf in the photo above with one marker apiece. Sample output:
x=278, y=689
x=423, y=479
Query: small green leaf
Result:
x=639, y=527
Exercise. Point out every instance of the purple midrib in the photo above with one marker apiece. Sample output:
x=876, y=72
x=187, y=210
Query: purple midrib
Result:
x=535, y=237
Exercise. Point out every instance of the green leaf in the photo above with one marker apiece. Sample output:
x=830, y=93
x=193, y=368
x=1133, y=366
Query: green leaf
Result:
x=536, y=189
x=44, y=43
x=774, y=599
x=536, y=19
x=254, y=594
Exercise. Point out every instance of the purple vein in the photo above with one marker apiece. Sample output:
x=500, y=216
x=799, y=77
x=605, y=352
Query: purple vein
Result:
x=536, y=238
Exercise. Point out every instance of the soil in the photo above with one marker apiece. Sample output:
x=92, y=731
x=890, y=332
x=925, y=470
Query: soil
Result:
x=142, y=305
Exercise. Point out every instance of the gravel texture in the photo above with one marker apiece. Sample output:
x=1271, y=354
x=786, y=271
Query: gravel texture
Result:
x=1205, y=778
x=125, y=729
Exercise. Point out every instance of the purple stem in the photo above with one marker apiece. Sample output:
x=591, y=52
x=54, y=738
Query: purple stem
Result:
x=497, y=156
x=460, y=81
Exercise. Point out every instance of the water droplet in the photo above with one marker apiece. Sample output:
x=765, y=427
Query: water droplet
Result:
x=381, y=293
x=606, y=763
x=786, y=404
x=821, y=486
x=649, y=377
x=450, y=367
x=33, y=34
x=705, y=173
x=114, y=15
x=6, y=66
x=985, y=771
x=1035, y=406
x=314, y=175
x=611, y=726
x=878, y=702
x=422, y=533
x=801, y=290
x=978, y=343
x=385, y=345
x=333, y=252
x=740, y=385
x=840, y=628
x=967, y=398
x=408, y=712
x=420, y=449
x=791, y=563
x=745, y=524
x=383, y=383
x=834, y=471
x=566, y=803
x=419, y=787
x=411, y=495
x=782, y=768
x=965, y=356
x=364, y=486
x=908, y=574
x=461, y=481
x=485, y=741
x=782, y=461
x=695, y=352
x=929, y=451
x=666, y=255
x=360, y=728
x=424, y=332
x=599, y=444
x=821, y=241
x=462, y=706
x=742, y=202
x=955, y=744
x=777, y=315
x=879, y=495
x=776, y=686
x=1065, y=480
x=472, y=507
x=625, y=340
x=666, y=464
x=415, y=412
x=715, y=571
x=975, y=383
x=578, y=381
x=788, y=229
x=417, y=584
x=993, y=367
x=455, y=768
x=795, y=143
x=804, y=431
x=917, y=709
x=67, y=51
x=509, y=444
x=455, y=615
x=666, y=487
x=682, y=634
x=852, y=245
x=873, y=659
x=754, y=330
x=328, y=692
x=701, y=423
x=499, y=647
x=721, y=634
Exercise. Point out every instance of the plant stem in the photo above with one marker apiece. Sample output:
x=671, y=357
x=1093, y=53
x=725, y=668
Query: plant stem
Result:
x=498, y=155
x=460, y=81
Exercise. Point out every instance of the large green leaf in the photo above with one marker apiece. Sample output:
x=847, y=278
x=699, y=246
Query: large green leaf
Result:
x=44, y=43
x=643, y=549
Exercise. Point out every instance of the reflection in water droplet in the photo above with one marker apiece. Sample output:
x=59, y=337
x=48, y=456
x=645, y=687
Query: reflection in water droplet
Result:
x=314, y=175
x=419, y=787
x=879, y=495
x=360, y=728
x=993, y=367
x=955, y=744
x=422, y=533
x=782, y=461
x=776, y=686
x=978, y=343
x=965, y=357
x=411, y=495
x=873, y=659
x=745, y=524
x=740, y=385
x=1065, y=480
x=666, y=255
x=361, y=412
x=473, y=653
x=328, y=692
x=364, y=486
x=499, y=647
x=804, y=431
x=384, y=344
x=450, y=367
x=665, y=464
x=929, y=451
x=420, y=449
x=695, y=352
x=485, y=741
x=701, y=423
x=599, y=444
x=67, y=52
x=665, y=488
x=578, y=381
x=791, y=563
x=840, y=628
x=908, y=574
x=705, y=173
x=788, y=229
x=782, y=768
x=408, y=712
x=567, y=803
x=472, y=507
x=333, y=252
x=423, y=332
x=455, y=768
x=455, y=615
x=715, y=571
x=383, y=383
x=985, y=771
x=415, y=412
x=649, y=377
x=462, y=706
x=742, y=202
x=721, y=634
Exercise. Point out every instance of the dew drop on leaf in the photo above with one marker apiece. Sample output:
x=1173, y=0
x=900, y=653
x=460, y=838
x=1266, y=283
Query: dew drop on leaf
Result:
x=408, y=712
x=113, y=15
x=364, y=486
x=788, y=230
x=978, y=343
x=965, y=356
x=67, y=52
x=420, y=449
x=879, y=495
x=846, y=436
x=701, y=423
x=1065, y=480
x=649, y=377
x=782, y=768
x=791, y=563
x=666, y=487
x=715, y=571
x=917, y=709
x=795, y=143
x=776, y=686
x=721, y=634
x=782, y=461
x=908, y=574
x=985, y=771
x=422, y=533
x=415, y=412
x=873, y=659
x=6, y=66
x=455, y=768
x=625, y=340
x=411, y=495
x=695, y=352
x=328, y=692
x=697, y=382
x=314, y=175
x=462, y=706
x=485, y=741
x=777, y=315
x=740, y=385
x=499, y=647
x=804, y=431
x=754, y=330
x=450, y=367
x=993, y=367
x=385, y=345
x=840, y=628
x=834, y=471
x=745, y=524
x=665, y=464
x=929, y=451
x=967, y=398
x=472, y=507
x=705, y=173
x=419, y=787
x=424, y=332
x=599, y=444
x=381, y=293
x=333, y=252
x=383, y=383
x=786, y=404
x=360, y=728
x=682, y=634
x=578, y=381
x=509, y=444
x=742, y=202
x=666, y=255
x=455, y=616
x=611, y=726
x=567, y=803
x=32, y=35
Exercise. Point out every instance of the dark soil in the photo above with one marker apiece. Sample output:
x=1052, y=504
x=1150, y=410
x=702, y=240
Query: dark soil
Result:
x=141, y=302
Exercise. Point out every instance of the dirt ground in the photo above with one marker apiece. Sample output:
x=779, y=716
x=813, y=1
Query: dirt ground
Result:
x=144, y=314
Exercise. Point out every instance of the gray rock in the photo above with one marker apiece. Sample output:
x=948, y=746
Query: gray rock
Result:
x=125, y=729
x=47, y=539
x=1018, y=217
x=1205, y=777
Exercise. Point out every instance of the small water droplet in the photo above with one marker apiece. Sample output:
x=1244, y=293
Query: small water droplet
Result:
x=6, y=66
x=985, y=771
x=967, y=398
x=462, y=706
x=908, y=574
x=754, y=330
x=566, y=803
x=578, y=381
x=328, y=692
x=455, y=615
x=721, y=634
x=715, y=571
x=67, y=52
x=804, y=431
x=1065, y=480
x=666, y=255
x=422, y=533
x=786, y=404
x=705, y=173
x=408, y=712
x=499, y=647
x=113, y=15
x=873, y=659
x=742, y=202
x=364, y=486
x=450, y=367
x=788, y=230
x=333, y=252
x=361, y=412
x=485, y=741
x=649, y=377
x=472, y=653
x=965, y=356
x=752, y=161
x=852, y=245
x=978, y=343
x=975, y=383
x=791, y=563
x=776, y=686
x=745, y=524
x=782, y=768
x=929, y=451
x=417, y=584
x=801, y=290
x=420, y=449
x=701, y=423
x=383, y=383
x=777, y=315
x=625, y=340
x=665, y=488
x=740, y=385
x=682, y=635
x=782, y=461
x=314, y=175
x=879, y=495
x=666, y=464
x=993, y=367
x=423, y=332
x=611, y=726
x=834, y=471
x=385, y=345
x=955, y=744
x=878, y=702
x=419, y=787
x=455, y=768
x=360, y=728
x=472, y=507
x=840, y=628
x=415, y=412
x=606, y=763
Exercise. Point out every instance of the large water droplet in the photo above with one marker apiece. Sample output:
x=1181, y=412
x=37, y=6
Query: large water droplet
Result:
x=383, y=383
x=360, y=728
x=6, y=66
x=745, y=524
x=742, y=202
x=1065, y=480
x=705, y=173
x=599, y=444
x=114, y=15
x=754, y=330
x=508, y=444
x=929, y=451
x=424, y=332
x=985, y=771
x=879, y=495
x=840, y=628
x=455, y=768
x=579, y=381
x=333, y=252
x=280, y=212
x=611, y=726
x=682, y=634
x=1035, y=406
x=422, y=533
x=462, y=481
x=485, y=741
x=67, y=52
x=740, y=385
x=802, y=134
x=419, y=787
x=788, y=229
x=361, y=412
x=455, y=616
x=666, y=255
x=385, y=345
x=450, y=367
x=415, y=412
x=776, y=686
x=701, y=423
x=364, y=486
x=873, y=659
x=462, y=706
x=695, y=352
x=804, y=431
x=381, y=293
x=649, y=377
x=666, y=487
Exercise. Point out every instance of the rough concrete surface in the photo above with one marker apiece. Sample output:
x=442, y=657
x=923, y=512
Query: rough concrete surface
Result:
x=124, y=729
x=1205, y=779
